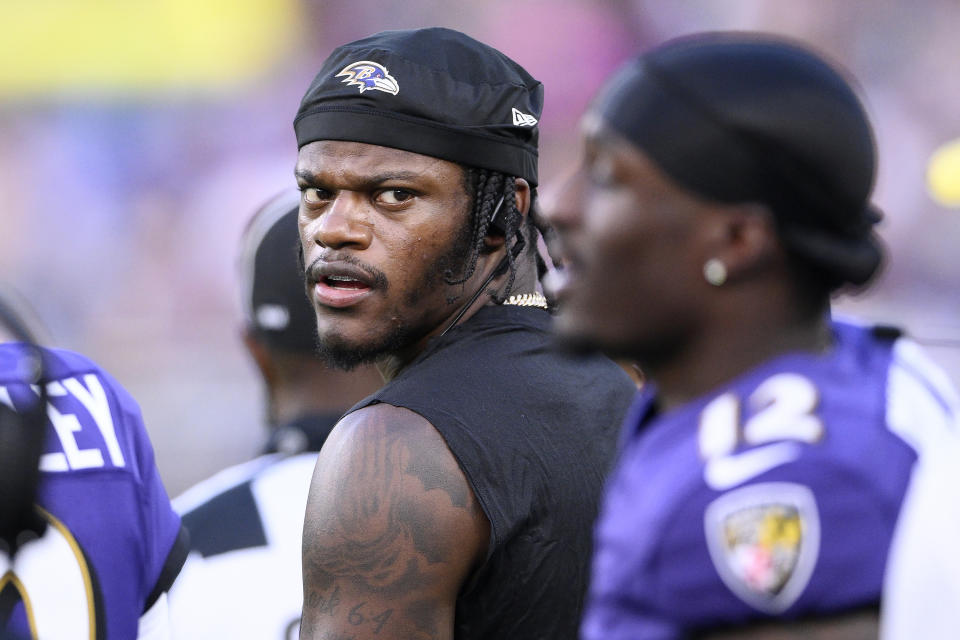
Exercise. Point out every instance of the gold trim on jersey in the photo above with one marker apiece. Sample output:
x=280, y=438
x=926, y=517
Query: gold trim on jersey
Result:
x=11, y=577
x=81, y=562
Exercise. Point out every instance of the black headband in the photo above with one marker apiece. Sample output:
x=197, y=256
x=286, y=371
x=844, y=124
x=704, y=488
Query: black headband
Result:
x=432, y=91
x=734, y=118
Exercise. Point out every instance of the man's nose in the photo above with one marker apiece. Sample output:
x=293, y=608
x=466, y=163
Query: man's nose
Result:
x=344, y=223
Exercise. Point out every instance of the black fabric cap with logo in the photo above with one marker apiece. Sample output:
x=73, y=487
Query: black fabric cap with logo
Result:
x=275, y=303
x=433, y=91
x=741, y=117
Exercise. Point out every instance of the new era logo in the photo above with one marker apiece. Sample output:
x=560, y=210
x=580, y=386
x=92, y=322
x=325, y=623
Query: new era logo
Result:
x=521, y=119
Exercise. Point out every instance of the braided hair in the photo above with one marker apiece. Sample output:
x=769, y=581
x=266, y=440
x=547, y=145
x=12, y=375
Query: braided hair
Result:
x=486, y=188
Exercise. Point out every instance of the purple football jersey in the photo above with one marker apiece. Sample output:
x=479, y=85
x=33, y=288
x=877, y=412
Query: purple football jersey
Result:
x=113, y=543
x=776, y=494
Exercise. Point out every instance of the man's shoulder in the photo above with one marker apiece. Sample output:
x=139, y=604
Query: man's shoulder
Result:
x=386, y=453
x=751, y=533
x=57, y=362
x=391, y=521
x=94, y=423
x=500, y=397
x=769, y=467
x=62, y=368
x=503, y=349
x=380, y=422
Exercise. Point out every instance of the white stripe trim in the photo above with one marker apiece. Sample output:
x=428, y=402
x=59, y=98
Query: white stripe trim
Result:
x=220, y=482
x=922, y=404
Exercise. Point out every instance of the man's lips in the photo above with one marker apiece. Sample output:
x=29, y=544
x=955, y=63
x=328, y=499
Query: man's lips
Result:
x=339, y=284
x=339, y=294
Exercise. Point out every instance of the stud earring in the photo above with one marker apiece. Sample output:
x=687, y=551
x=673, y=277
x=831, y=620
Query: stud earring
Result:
x=715, y=272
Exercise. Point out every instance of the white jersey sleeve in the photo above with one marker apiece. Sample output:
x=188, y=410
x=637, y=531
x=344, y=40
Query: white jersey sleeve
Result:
x=242, y=578
x=921, y=595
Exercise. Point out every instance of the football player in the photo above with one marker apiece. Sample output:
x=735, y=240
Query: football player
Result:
x=457, y=500
x=777, y=454
x=90, y=543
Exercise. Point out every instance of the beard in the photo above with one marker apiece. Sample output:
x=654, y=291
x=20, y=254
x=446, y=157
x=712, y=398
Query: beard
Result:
x=339, y=353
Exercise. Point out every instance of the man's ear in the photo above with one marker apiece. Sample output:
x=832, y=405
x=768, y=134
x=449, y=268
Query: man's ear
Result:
x=524, y=196
x=495, y=239
x=744, y=238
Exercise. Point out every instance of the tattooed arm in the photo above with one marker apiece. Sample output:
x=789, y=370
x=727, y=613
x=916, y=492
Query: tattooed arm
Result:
x=392, y=531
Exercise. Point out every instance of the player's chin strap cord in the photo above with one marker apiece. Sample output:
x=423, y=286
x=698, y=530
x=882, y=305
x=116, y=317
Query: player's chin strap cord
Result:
x=501, y=267
x=21, y=445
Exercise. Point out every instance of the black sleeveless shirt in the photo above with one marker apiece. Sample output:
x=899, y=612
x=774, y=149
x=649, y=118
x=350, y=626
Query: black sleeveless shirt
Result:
x=534, y=431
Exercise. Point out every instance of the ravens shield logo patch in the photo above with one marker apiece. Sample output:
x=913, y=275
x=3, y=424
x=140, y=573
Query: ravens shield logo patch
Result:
x=764, y=540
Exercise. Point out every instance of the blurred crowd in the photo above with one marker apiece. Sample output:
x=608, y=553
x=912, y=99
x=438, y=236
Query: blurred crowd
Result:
x=123, y=195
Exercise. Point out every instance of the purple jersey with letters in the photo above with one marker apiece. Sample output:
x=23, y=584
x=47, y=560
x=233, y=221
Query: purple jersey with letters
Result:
x=775, y=495
x=113, y=543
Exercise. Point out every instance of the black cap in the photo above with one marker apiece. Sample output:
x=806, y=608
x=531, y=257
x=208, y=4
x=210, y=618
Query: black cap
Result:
x=737, y=117
x=431, y=91
x=275, y=303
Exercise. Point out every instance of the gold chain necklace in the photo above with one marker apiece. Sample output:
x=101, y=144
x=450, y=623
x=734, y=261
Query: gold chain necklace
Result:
x=527, y=300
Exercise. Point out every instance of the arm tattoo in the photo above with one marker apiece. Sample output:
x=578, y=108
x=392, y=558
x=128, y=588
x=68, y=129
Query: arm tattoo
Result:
x=380, y=495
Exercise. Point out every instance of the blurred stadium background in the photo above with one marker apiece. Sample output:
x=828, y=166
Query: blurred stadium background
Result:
x=136, y=138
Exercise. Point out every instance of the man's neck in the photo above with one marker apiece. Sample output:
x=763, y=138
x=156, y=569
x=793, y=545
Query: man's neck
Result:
x=391, y=364
x=718, y=356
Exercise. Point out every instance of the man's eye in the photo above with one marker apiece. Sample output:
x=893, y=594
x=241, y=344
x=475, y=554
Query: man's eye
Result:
x=395, y=196
x=313, y=195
